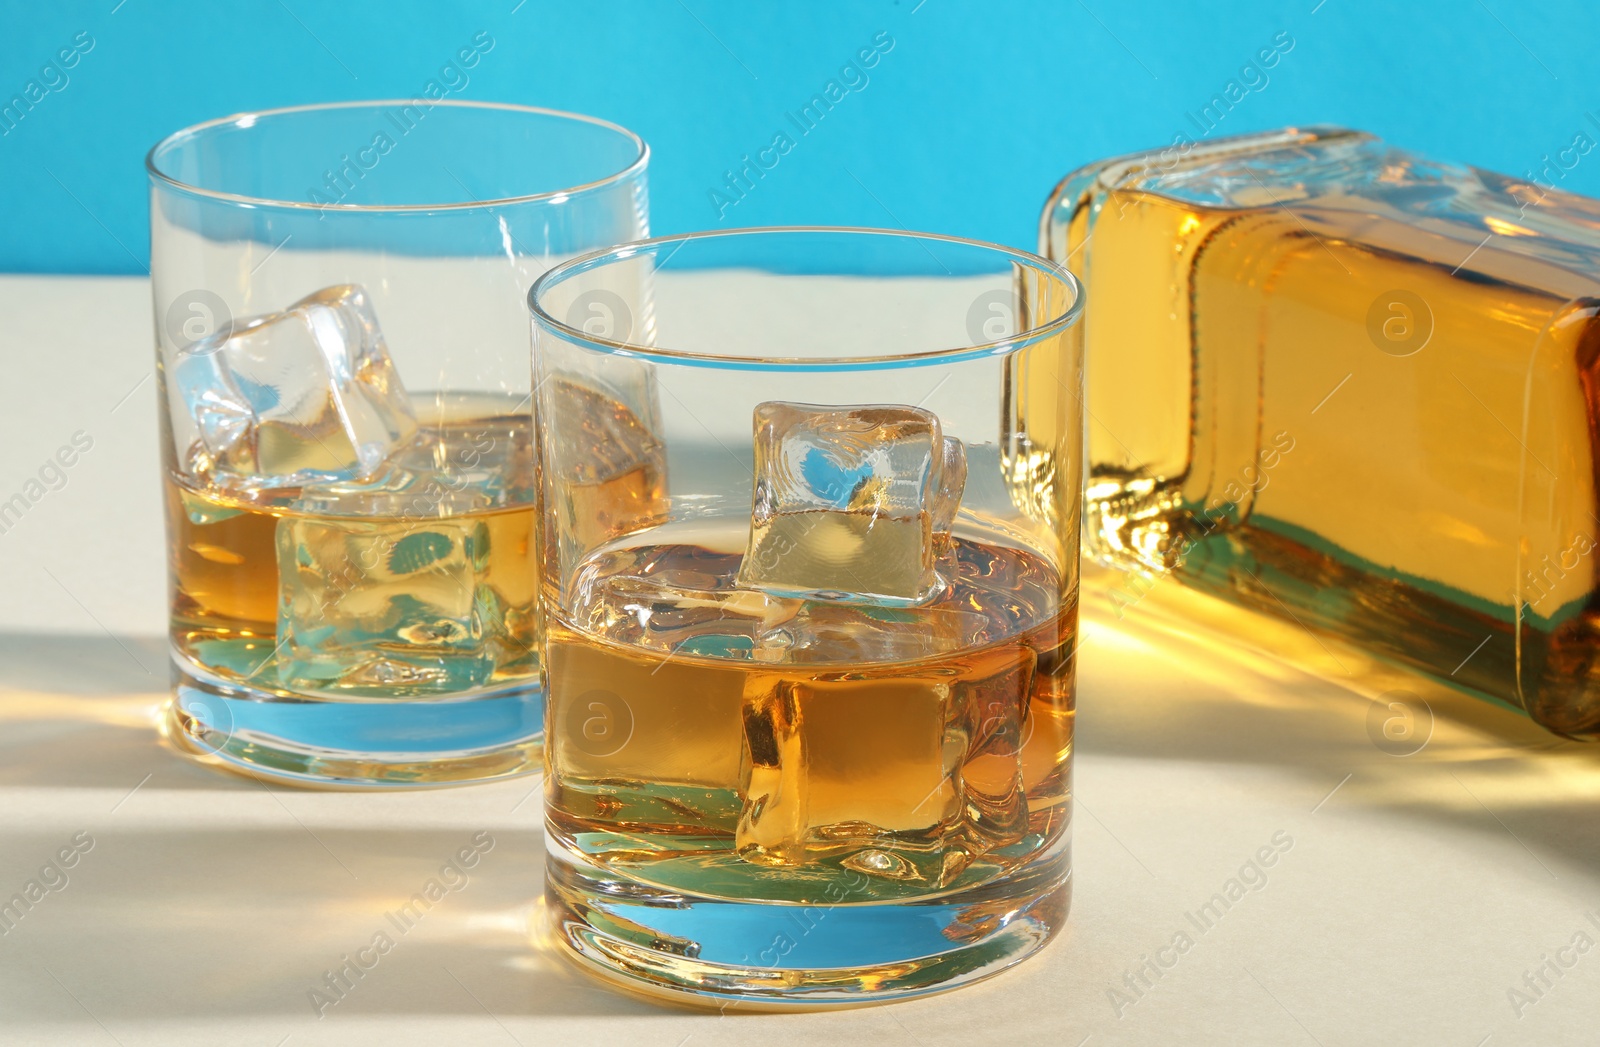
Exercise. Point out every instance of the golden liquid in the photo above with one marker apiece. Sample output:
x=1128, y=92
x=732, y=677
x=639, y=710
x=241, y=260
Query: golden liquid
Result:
x=471, y=626
x=753, y=747
x=1346, y=419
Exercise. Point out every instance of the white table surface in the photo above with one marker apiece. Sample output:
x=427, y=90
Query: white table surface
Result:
x=1417, y=893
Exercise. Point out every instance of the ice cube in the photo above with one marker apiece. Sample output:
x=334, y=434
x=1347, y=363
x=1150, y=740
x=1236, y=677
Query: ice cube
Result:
x=402, y=492
x=819, y=631
x=487, y=446
x=609, y=468
x=990, y=704
x=305, y=395
x=446, y=470
x=385, y=583
x=851, y=503
x=677, y=600
x=682, y=599
x=390, y=607
x=845, y=761
x=952, y=482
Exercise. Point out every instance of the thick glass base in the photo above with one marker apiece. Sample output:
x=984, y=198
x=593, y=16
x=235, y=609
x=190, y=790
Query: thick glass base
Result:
x=360, y=744
x=716, y=952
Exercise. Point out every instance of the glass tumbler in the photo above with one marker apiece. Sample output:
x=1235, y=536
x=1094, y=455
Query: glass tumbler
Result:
x=347, y=429
x=810, y=574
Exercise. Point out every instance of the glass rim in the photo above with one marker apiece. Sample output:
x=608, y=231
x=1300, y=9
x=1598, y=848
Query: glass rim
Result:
x=193, y=131
x=998, y=347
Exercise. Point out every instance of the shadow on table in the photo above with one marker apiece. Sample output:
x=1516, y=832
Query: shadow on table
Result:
x=81, y=712
x=209, y=895
x=1409, y=747
x=304, y=923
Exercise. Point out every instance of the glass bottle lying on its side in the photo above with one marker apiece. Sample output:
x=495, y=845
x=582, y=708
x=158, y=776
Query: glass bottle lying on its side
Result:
x=1354, y=389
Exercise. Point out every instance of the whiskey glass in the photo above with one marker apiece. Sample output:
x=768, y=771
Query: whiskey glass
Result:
x=810, y=575
x=347, y=431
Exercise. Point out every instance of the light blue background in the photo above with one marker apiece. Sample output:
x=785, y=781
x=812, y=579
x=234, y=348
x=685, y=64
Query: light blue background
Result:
x=963, y=128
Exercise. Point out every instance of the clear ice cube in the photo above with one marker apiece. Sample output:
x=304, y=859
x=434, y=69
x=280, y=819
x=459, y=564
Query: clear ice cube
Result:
x=989, y=705
x=384, y=583
x=609, y=465
x=675, y=600
x=851, y=503
x=825, y=631
x=398, y=492
x=598, y=431
x=390, y=607
x=490, y=450
x=446, y=470
x=845, y=762
x=681, y=599
x=300, y=396
x=952, y=482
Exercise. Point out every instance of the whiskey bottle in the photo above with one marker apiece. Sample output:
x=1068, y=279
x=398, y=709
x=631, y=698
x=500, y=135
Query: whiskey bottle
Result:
x=1341, y=385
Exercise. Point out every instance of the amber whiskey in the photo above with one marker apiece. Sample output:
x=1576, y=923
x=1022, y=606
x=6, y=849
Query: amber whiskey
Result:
x=418, y=582
x=735, y=744
x=1349, y=388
